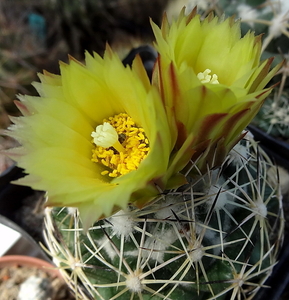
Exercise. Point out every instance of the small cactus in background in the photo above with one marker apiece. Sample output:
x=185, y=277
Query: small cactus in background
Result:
x=216, y=237
x=273, y=117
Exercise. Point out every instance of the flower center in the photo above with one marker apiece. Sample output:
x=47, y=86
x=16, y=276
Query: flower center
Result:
x=120, y=145
x=204, y=77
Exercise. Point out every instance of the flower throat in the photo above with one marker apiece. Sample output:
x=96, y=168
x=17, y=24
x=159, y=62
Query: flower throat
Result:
x=119, y=145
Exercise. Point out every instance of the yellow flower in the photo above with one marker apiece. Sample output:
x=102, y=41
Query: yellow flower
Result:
x=97, y=138
x=212, y=84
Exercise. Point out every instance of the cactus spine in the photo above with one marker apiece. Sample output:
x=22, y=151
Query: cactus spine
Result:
x=216, y=237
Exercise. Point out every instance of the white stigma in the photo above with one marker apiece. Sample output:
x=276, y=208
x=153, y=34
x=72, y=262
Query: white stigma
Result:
x=105, y=135
x=204, y=77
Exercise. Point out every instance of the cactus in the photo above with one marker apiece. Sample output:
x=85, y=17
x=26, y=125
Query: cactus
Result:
x=273, y=117
x=216, y=237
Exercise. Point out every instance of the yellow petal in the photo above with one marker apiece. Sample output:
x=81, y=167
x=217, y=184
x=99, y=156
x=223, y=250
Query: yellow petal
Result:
x=55, y=133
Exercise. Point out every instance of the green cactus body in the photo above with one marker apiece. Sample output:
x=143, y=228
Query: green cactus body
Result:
x=215, y=238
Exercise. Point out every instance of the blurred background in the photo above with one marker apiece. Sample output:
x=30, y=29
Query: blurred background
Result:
x=36, y=34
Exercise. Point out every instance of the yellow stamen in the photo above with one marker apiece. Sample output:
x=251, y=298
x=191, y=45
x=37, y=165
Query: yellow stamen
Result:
x=204, y=77
x=119, y=133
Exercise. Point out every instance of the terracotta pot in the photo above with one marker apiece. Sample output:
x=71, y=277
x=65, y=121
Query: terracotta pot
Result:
x=29, y=261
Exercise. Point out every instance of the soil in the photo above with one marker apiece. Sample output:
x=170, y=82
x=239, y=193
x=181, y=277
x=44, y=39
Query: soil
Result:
x=21, y=282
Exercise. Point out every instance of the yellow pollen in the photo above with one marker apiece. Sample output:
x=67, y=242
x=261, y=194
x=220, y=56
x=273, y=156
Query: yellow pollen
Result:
x=204, y=77
x=120, y=145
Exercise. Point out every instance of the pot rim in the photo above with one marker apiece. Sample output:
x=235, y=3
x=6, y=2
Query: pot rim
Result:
x=29, y=261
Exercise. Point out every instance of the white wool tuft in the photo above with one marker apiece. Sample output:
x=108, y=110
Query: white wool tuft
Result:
x=123, y=223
